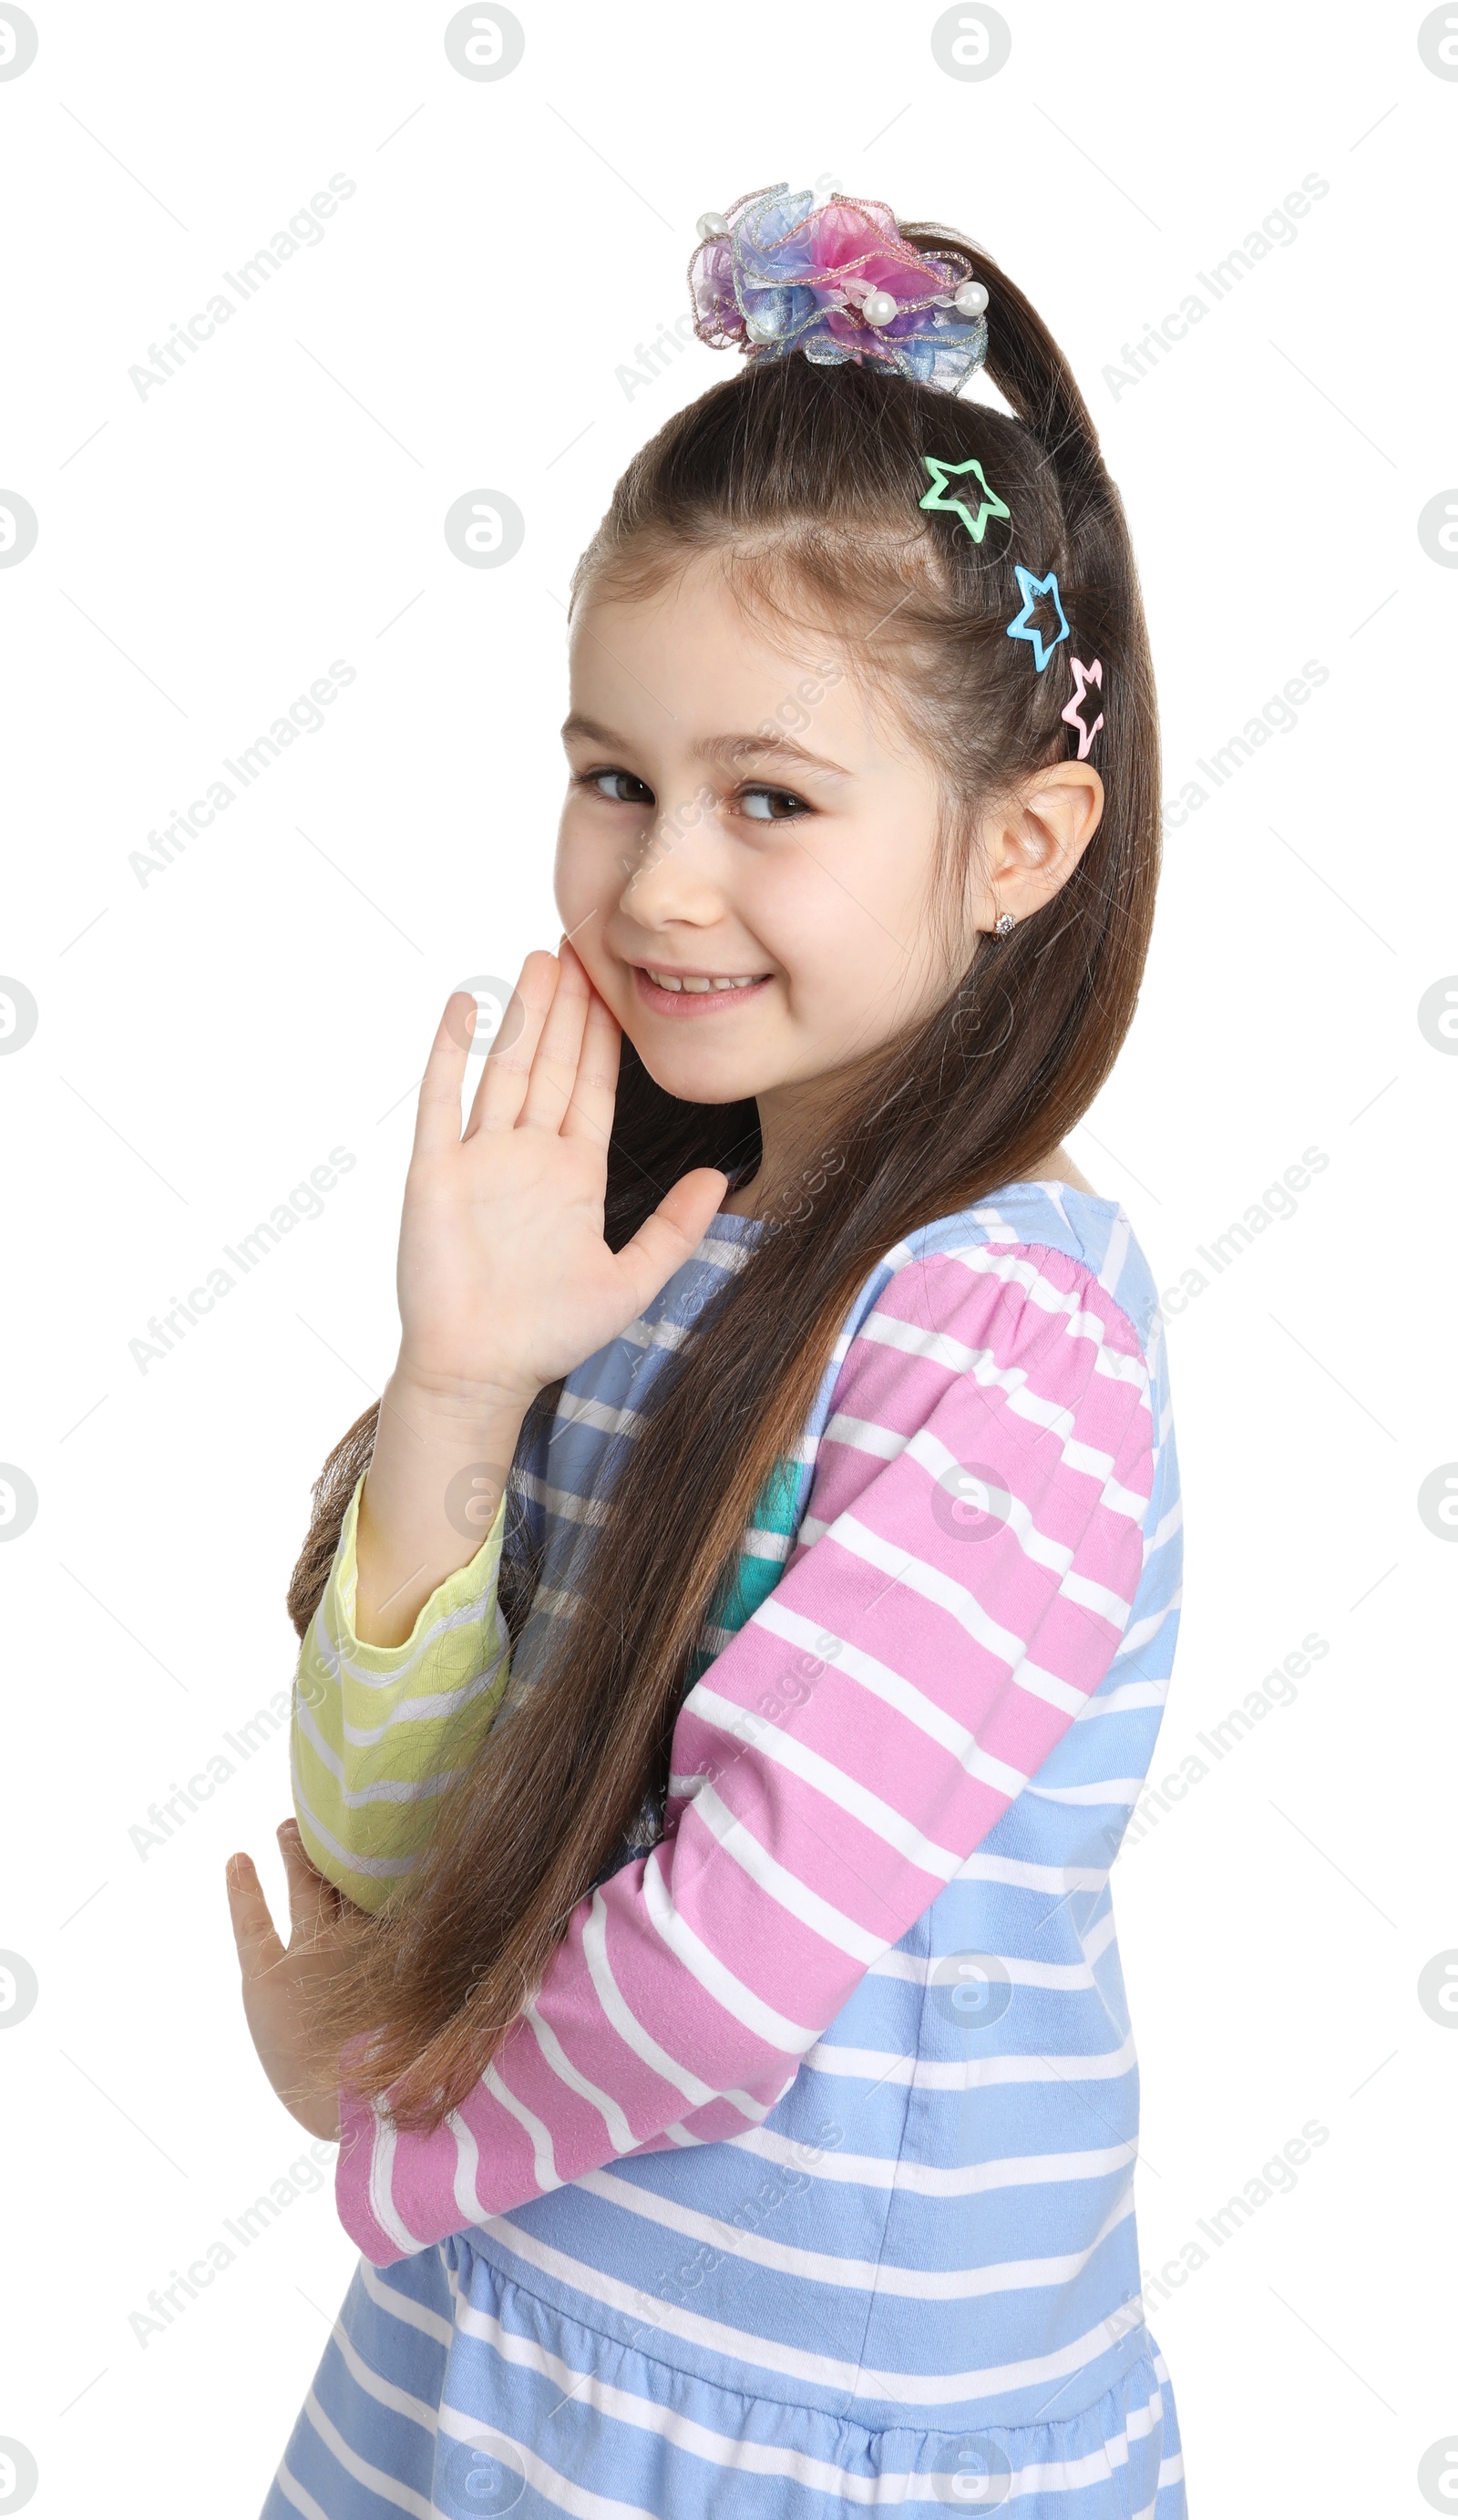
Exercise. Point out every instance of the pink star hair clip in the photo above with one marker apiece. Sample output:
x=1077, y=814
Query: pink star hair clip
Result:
x=1086, y=678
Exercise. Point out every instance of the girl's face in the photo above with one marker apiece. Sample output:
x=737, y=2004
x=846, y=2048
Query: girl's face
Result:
x=748, y=856
x=736, y=816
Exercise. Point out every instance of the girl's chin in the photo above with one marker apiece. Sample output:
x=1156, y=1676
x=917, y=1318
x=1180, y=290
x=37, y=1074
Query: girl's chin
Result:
x=699, y=1064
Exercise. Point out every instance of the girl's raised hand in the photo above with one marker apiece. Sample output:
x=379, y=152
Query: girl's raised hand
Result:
x=505, y=1280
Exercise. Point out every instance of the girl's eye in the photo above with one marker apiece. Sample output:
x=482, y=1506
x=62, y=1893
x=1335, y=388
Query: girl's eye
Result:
x=771, y=804
x=619, y=786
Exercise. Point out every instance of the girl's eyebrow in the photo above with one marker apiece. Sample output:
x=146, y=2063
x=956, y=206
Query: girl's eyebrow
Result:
x=590, y=732
x=738, y=748
x=732, y=748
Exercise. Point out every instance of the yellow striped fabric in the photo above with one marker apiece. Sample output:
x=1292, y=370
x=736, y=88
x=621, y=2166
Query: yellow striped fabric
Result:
x=378, y=1731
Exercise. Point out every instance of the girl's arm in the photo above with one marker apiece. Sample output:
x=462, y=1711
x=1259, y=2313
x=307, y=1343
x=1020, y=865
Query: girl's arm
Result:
x=975, y=1538
x=379, y=1730
x=506, y=1283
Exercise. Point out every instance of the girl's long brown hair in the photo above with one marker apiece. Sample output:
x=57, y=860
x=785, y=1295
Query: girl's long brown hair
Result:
x=807, y=482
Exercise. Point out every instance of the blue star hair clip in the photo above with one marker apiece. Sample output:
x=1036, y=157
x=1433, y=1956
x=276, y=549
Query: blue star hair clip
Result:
x=1023, y=625
x=941, y=498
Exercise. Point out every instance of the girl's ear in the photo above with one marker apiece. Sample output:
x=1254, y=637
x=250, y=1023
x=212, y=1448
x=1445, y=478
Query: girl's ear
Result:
x=1032, y=843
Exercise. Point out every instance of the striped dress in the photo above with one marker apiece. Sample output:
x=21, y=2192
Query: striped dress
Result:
x=806, y=2179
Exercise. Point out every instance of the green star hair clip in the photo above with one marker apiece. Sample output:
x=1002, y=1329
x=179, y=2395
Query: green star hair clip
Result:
x=940, y=497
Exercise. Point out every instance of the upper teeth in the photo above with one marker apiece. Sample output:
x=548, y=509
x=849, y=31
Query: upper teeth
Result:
x=667, y=980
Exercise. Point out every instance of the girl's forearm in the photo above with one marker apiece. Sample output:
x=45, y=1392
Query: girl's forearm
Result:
x=440, y=1462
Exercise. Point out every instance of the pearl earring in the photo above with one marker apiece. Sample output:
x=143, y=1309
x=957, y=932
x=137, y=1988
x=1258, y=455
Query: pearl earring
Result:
x=1002, y=925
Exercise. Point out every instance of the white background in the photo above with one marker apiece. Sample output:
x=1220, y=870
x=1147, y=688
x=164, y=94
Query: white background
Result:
x=205, y=1038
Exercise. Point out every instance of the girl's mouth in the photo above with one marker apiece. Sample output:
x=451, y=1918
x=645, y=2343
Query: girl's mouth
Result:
x=695, y=993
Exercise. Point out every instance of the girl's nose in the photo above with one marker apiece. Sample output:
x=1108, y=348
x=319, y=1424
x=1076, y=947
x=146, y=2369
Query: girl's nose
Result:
x=671, y=873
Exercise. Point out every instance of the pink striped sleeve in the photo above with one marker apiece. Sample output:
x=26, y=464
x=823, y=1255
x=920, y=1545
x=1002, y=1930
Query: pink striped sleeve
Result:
x=965, y=1574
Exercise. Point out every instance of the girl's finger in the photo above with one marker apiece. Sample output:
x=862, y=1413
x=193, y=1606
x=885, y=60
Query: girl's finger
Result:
x=553, y=1077
x=506, y=1065
x=438, y=1110
x=595, y=1094
x=258, y=1946
x=671, y=1235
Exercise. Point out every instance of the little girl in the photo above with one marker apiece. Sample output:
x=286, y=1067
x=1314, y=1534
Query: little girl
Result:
x=732, y=1650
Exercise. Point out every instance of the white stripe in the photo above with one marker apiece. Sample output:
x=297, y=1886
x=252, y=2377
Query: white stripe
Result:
x=1120, y=1790
x=403, y=2496
x=892, y=1689
x=1120, y=1238
x=386, y=2393
x=467, y=2160
x=712, y=1973
x=1144, y=1630
x=1032, y=1677
x=1099, y=1598
x=889, y=2171
x=596, y=1415
x=1168, y=1526
x=721, y=1251
x=941, y=1348
x=981, y=2179
x=1049, y=1298
x=919, y=1575
x=626, y=2022
x=938, y=1459
x=774, y=2353
x=544, y=2161
x=564, y=1504
x=436, y=1708
x=403, y=2305
x=620, y=2133
x=844, y=1791
x=858, y=2275
x=1057, y=1879
x=1097, y=1937
x=1064, y=1975
x=1051, y=1417
x=562, y=2492
x=863, y=1436
x=298, y=2495
x=667, y=1334
x=967, y=2073
x=382, y=2187
x=374, y=1868
x=1127, y=1696
x=786, y=1888
x=385, y=1789
x=337, y=1662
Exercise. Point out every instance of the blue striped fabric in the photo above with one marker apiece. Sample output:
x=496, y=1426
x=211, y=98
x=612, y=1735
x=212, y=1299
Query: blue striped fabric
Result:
x=917, y=2283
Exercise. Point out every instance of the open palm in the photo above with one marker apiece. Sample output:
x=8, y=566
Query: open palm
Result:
x=505, y=1282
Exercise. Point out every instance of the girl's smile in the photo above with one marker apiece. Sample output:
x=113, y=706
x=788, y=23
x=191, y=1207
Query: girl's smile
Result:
x=667, y=991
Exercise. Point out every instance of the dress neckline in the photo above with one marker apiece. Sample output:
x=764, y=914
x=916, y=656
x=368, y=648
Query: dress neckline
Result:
x=729, y=1218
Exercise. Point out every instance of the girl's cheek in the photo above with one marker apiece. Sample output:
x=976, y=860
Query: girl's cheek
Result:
x=583, y=877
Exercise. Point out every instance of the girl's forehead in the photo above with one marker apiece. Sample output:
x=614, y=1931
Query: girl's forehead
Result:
x=694, y=653
x=697, y=635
